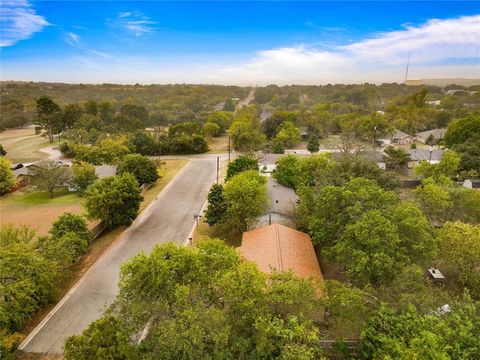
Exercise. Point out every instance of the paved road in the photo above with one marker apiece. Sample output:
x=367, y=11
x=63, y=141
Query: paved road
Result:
x=169, y=218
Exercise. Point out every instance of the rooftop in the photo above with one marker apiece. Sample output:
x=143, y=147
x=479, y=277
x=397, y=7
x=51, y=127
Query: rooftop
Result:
x=281, y=248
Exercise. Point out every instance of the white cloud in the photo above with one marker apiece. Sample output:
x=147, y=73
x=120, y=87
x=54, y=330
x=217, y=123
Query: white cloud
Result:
x=135, y=22
x=73, y=38
x=380, y=58
x=18, y=21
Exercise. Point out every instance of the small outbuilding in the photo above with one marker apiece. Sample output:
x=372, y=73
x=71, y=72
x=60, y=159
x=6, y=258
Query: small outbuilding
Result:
x=436, y=275
x=401, y=138
x=472, y=183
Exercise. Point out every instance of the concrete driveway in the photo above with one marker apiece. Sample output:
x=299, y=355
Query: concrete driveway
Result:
x=169, y=218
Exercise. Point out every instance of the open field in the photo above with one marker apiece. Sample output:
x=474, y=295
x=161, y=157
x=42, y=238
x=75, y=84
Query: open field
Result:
x=35, y=209
x=218, y=144
x=22, y=145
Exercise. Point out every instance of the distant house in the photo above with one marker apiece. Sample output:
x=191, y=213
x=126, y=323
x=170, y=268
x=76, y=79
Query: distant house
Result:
x=419, y=155
x=280, y=248
x=434, y=103
x=437, y=135
x=401, y=138
x=472, y=183
x=22, y=176
x=376, y=156
x=102, y=171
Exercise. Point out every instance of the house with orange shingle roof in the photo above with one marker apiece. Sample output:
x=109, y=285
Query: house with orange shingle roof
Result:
x=280, y=248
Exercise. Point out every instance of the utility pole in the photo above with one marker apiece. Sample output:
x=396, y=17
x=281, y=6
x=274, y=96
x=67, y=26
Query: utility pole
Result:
x=218, y=166
x=229, y=147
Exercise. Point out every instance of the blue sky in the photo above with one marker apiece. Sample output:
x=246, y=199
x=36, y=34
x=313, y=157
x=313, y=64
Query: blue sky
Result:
x=238, y=42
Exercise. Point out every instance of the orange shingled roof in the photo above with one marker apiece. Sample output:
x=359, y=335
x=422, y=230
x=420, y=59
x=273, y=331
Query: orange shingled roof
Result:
x=282, y=248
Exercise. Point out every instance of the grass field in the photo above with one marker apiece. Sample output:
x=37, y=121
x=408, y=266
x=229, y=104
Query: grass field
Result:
x=36, y=209
x=218, y=144
x=22, y=145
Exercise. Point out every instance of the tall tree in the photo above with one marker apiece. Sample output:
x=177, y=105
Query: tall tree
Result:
x=48, y=115
x=7, y=178
x=114, y=200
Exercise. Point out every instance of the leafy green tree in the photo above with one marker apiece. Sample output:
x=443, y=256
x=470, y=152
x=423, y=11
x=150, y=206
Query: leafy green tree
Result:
x=70, y=115
x=114, y=200
x=288, y=134
x=71, y=223
x=217, y=206
x=144, y=143
x=91, y=107
x=313, y=144
x=222, y=119
x=369, y=249
x=48, y=175
x=462, y=130
x=26, y=277
x=7, y=178
x=64, y=250
x=242, y=163
x=408, y=334
x=430, y=140
x=83, y=175
x=135, y=111
x=273, y=122
x=246, y=197
x=48, y=115
x=327, y=211
x=397, y=158
x=103, y=339
x=144, y=169
x=460, y=252
x=229, y=105
x=277, y=147
x=211, y=129
x=289, y=171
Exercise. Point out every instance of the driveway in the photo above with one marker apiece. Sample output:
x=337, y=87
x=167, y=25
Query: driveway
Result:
x=169, y=218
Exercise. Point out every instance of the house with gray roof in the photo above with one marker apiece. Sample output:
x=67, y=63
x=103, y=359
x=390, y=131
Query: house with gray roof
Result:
x=437, y=135
x=419, y=155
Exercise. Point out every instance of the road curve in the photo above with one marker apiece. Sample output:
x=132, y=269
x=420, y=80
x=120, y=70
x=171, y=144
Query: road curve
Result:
x=168, y=218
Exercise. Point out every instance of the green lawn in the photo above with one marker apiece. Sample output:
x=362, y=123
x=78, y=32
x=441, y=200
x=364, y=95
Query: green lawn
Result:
x=61, y=196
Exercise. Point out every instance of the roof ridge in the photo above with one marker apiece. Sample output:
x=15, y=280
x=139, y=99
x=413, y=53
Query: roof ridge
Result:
x=279, y=251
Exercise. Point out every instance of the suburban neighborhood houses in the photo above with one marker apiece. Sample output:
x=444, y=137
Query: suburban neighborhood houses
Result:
x=256, y=180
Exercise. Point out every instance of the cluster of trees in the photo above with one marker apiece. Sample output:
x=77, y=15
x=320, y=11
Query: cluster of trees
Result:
x=366, y=229
x=212, y=304
x=463, y=135
x=29, y=269
x=322, y=170
x=170, y=101
x=232, y=208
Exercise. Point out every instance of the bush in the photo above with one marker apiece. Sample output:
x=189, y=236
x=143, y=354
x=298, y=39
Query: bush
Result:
x=71, y=223
x=7, y=179
x=242, y=163
x=144, y=169
x=64, y=249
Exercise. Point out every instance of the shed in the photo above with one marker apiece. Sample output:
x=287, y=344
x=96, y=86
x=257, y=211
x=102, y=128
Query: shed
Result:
x=436, y=275
x=472, y=183
x=283, y=249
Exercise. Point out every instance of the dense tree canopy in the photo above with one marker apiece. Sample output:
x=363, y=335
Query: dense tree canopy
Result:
x=212, y=304
x=144, y=169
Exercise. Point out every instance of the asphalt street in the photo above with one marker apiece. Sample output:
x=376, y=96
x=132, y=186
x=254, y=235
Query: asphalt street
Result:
x=168, y=218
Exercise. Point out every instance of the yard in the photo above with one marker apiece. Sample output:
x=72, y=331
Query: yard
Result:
x=23, y=145
x=33, y=208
